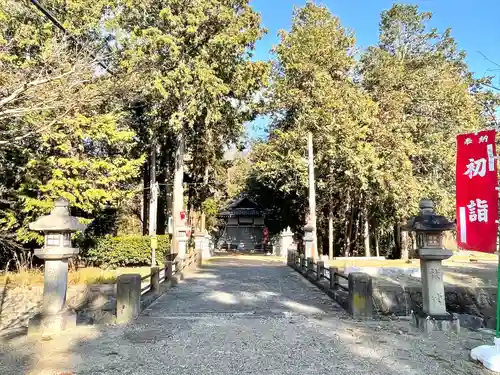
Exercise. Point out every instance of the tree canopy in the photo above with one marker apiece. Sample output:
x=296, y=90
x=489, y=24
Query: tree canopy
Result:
x=384, y=127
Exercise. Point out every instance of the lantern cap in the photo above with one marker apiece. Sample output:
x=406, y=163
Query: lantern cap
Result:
x=427, y=220
x=59, y=220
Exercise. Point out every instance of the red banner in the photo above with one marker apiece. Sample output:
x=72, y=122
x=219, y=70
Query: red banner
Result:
x=477, y=197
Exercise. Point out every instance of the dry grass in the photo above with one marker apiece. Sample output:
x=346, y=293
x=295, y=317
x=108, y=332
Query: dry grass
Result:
x=89, y=276
x=455, y=260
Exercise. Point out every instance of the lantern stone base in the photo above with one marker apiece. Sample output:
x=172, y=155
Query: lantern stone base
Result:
x=48, y=324
x=433, y=323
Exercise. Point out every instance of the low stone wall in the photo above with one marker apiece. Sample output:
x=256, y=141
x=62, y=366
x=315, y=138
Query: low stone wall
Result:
x=398, y=300
x=94, y=304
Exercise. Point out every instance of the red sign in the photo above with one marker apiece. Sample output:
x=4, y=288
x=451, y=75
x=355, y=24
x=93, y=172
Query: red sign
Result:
x=183, y=215
x=477, y=197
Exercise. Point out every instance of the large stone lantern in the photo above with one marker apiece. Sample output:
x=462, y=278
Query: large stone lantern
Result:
x=430, y=228
x=57, y=228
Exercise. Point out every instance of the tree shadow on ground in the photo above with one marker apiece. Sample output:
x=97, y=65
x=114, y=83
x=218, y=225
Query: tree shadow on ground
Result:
x=242, y=317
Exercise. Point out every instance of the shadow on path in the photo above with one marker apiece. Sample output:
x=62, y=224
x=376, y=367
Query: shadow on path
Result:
x=240, y=316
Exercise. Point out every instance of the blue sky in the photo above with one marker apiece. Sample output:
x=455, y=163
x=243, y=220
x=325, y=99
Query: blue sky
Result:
x=474, y=23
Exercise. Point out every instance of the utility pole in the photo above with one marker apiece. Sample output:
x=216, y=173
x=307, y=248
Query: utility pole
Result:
x=153, y=204
x=178, y=193
x=312, y=194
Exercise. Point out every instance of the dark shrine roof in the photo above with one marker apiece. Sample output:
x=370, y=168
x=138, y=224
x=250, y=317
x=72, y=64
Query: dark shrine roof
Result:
x=241, y=207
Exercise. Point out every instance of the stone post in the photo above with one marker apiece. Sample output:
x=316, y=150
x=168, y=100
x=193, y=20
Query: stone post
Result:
x=128, y=297
x=199, y=257
x=334, y=278
x=207, y=252
x=155, y=279
x=286, y=242
x=199, y=239
x=181, y=241
x=57, y=228
x=202, y=243
x=309, y=265
x=309, y=240
x=319, y=269
x=302, y=262
x=169, y=271
x=360, y=295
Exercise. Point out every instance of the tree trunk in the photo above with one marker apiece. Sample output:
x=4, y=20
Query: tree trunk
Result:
x=145, y=198
x=330, y=233
x=357, y=225
x=203, y=217
x=367, y=234
x=404, y=245
x=375, y=236
x=397, y=240
x=348, y=232
x=162, y=204
x=153, y=201
x=312, y=195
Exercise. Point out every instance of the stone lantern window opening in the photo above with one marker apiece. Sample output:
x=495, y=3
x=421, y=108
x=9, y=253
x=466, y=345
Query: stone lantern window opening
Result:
x=434, y=240
x=58, y=239
x=420, y=239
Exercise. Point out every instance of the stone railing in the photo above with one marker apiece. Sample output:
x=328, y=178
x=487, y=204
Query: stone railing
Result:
x=355, y=297
x=132, y=296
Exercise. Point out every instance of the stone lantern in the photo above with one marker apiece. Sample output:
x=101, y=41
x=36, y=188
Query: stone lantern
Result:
x=286, y=242
x=57, y=228
x=429, y=228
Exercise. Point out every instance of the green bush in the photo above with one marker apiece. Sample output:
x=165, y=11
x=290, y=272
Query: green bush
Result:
x=123, y=251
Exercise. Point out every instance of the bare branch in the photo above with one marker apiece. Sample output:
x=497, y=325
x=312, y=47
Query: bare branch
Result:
x=36, y=131
x=34, y=83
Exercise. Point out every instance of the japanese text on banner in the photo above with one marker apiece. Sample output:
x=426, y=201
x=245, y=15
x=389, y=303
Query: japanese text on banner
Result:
x=476, y=194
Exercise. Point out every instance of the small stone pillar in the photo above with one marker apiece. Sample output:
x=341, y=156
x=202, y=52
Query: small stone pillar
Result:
x=57, y=228
x=182, y=241
x=309, y=265
x=320, y=266
x=199, y=257
x=309, y=240
x=334, y=277
x=155, y=279
x=360, y=295
x=286, y=242
x=430, y=228
x=128, y=297
x=199, y=241
x=207, y=251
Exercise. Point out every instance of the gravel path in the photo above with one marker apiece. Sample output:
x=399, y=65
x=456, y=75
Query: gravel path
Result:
x=243, y=317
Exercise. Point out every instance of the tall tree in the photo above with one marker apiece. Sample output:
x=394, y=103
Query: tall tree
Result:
x=62, y=129
x=189, y=66
x=314, y=91
x=426, y=95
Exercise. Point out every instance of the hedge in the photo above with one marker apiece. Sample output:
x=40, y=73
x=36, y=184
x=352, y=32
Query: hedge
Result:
x=123, y=251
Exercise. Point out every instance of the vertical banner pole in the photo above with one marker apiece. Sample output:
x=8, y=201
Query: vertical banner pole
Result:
x=489, y=355
x=498, y=299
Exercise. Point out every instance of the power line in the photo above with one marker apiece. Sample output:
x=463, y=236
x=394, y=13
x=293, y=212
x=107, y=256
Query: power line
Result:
x=56, y=23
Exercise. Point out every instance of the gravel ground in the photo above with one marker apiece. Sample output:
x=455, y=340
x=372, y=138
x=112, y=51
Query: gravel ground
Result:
x=243, y=317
